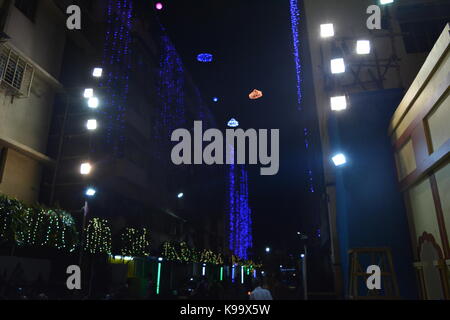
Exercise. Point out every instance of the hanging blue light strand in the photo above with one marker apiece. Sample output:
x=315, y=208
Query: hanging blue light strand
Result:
x=240, y=225
x=295, y=19
x=295, y=23
x=117, y=62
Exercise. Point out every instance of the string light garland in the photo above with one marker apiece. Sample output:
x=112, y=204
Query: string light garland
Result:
x=182, y=253
x=98, y=237
x=37, y=226
x=135, y=243
x=295, y=23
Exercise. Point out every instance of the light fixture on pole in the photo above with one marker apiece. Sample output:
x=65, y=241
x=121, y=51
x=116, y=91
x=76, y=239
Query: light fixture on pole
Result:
x=337, y=65
x=326, y=30
x=97, y=72
x=93, y=103
x=88, y=93
x=91, y=124
x=338, y=103
x=339, y=159
x=90, y=192
x=85, y=168
x=363, y=47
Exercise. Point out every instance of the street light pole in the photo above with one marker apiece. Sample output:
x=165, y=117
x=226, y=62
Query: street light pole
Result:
x=304, y=237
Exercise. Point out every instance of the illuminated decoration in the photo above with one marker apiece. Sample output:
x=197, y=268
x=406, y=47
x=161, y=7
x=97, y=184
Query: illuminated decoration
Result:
x=205, y=57
x=135, y=243
x=295, y=23
x=255, y=274
x=233, y=123
x=182, y=253
x=204, y=270
x=158, y=277
x=98, y=237
x=180, y=195
x=239, y=213
x=233, y=273
x=215, y=99
x=49, y=228
x=221, y=274
x=255, y=94
x=36, y=227
x=159, y=6
x=115, y=81
x=242, y=274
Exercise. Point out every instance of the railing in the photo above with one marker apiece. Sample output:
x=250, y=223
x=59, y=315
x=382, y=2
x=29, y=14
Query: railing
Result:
x=16, y=75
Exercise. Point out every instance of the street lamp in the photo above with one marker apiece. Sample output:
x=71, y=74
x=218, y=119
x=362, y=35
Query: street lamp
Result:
x=90, y=192
x=91, y=124
x=88, y=93
x=303, y=256
x=326, y=30
x=97, y=72
x=85, y=168
x=93, y=103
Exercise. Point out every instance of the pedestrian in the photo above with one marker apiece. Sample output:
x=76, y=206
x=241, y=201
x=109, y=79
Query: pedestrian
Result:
x=259, y=293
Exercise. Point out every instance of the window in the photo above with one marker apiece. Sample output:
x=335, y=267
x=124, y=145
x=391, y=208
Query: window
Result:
x=15, y=72
x=3, y=155
x=27, y=7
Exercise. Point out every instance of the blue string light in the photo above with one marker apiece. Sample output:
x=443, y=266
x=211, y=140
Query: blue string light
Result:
x=295, y=22
x=240, y=224
x=205, y=57
x=117, y=62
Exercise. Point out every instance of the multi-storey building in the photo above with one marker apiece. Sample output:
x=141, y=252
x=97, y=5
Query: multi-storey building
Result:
x=31, y=50
x=365, y=208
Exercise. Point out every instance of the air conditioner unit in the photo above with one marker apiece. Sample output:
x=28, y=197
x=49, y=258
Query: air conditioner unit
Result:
x=16, y=75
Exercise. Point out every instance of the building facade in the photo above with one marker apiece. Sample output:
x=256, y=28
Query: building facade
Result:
x=32, y=45
x=370, y=88
x=420, y=136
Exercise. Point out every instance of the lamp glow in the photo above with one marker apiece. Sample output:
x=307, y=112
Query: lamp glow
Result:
x=326, y=30
x=337, y=66
x=93, y=103
x=242, y=274
x=215, y=99
x=180, y=195
x=386, y=1
x=158, y=279
x=221, y=273
x=90, y=192
x=88, y=93
x=233, y=123
x=85, y=168
x=339, y=160
x=267, y=249
x=91, y=124
x=338, y=103
x=159, y=6
x=363, y=47
x=97, y=73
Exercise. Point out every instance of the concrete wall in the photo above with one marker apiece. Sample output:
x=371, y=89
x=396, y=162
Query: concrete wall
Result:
x=25, y=121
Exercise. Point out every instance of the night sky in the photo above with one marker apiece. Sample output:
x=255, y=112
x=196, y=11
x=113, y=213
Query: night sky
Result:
x=251, y=42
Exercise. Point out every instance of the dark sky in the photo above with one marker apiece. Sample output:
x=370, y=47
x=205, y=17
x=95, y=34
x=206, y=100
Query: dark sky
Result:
x=252, y=45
